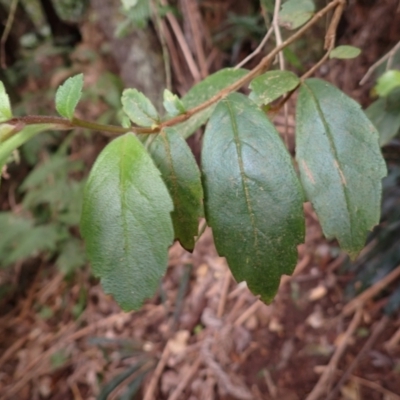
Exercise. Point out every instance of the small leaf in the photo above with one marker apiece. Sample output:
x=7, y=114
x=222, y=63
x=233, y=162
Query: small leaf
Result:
x=204, y=91
x=128, y=4
x=5, y=107
x=295, y=13
x=181, y=174
x=345, y=52
x=253, y=199
x=173, y=104
x=341, y=166
x=139, y=108
x=387, y=82
x=269, y=86
x=384, y=113
x=68, y=96
x=126, y=222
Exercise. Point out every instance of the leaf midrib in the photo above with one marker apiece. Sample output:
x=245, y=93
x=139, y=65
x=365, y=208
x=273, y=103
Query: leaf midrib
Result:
x=335, y=153
x=243, y=175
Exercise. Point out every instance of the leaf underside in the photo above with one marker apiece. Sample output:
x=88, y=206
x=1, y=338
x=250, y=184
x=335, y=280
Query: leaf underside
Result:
x=126, y=222
x=253, y=199
x=340, y=163
x=181, y=175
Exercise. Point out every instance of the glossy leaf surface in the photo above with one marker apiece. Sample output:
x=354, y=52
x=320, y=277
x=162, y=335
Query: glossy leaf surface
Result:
x=384, y=113
x=295, y=13
x=126, y=221
x=269, y=86
x=68, y=96
x=345, y=52
x=340, y=163
x=204, y=91
x=139, y=108
x=181, y=175
x=5, y=107
x=253, y=199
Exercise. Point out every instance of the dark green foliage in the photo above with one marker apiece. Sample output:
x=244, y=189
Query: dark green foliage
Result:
x=340, y=163
x=253, y=198
x=181, y=174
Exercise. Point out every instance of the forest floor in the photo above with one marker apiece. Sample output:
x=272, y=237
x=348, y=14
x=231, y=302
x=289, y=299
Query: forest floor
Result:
x=203, y=336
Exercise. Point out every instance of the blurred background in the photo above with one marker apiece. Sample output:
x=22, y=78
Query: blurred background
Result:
x=202, y=336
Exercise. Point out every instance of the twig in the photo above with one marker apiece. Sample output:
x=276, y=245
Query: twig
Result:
x=393, y=341
x=323, y=383
x=12, y=350
x=36, y=365
x=273, y=390
x=375, y=386
x=161, y=36
x=193, y=15
x=330, y=39
x=374, y=66
x=194, y=70
x=240, y=392
x=175, y=395
x=367, y=346
x=248, y=313
x=63, y=123
x=157, y=374
x=371, y=292
x=224, y=293
x=6, y=32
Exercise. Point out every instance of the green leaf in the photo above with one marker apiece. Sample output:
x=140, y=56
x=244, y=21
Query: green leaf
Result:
x=126, y=221
x=345, y=52
x=295, y=13
x=173, y=104
x=68, y=96
x=253, y=199
x=18, y=139
x=204, y=91
x=5, y=107
x=340, y=163
x=385, y=115
x=181, y=174
x=269, y=86
x=139, y=108
x=387, y=82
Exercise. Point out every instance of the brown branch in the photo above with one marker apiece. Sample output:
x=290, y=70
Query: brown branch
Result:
x=322, y=386
x=264, y=64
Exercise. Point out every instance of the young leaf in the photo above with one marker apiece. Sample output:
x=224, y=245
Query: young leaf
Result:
x=295, y=13
x=340, y=163
x=204, y=91
x=126, y=221
x=5, y=107
x=173, y=104
x=181, y=174
x=68, y=96
x=253, y=199
x=387, y=82
x=345, y=52
x=139, y=108
x=384, y=113
x=269, y=86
